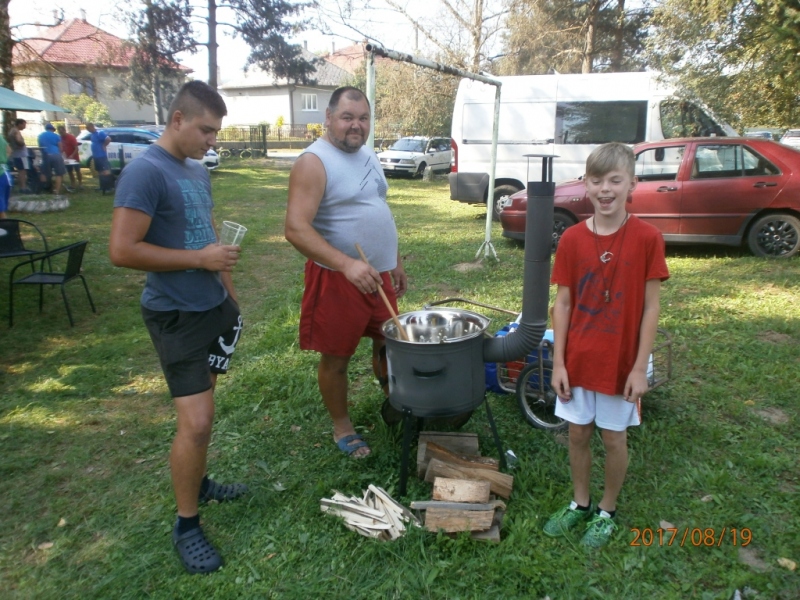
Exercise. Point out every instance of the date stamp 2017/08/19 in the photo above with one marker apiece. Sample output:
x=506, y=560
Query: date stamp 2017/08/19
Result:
x=692, y=536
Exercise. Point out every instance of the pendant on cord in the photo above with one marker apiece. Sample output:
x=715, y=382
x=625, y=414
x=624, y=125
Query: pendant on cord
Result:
x=605, y=257
x=607, y=296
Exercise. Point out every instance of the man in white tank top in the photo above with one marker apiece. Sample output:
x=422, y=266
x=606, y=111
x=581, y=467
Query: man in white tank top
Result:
x=337, y=198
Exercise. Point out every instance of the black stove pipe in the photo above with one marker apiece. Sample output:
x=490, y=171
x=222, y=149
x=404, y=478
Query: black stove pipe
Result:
x=536, y=274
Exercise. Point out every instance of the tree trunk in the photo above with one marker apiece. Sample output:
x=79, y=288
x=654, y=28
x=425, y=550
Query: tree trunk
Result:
x=591, y=23
x=6, y=68
x=212, y=43
x=616, y=55
x=477, y=35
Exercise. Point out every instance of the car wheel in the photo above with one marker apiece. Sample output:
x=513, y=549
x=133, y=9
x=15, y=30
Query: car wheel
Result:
x=775, y=236
x=561, y=223
x=421, y=169
x=499, y=192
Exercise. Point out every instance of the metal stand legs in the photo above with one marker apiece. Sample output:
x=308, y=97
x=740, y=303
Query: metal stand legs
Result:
x=408, y=432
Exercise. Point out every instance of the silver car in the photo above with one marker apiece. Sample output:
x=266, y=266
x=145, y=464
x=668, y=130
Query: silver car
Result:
x=412, y=155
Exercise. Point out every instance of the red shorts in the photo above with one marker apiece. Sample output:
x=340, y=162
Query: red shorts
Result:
x=334, y=315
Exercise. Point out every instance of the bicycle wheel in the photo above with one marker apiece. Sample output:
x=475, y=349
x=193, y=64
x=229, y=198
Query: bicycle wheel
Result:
x=246, y=153
x=224, y=153
x=537, y=400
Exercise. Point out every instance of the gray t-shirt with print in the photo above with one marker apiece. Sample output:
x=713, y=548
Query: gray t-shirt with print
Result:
x=177, y=196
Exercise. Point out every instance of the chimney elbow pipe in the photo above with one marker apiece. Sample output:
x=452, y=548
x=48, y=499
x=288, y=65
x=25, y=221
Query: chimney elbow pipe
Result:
x=536, y=280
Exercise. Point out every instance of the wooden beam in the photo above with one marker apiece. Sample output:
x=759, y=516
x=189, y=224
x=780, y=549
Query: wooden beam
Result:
x=499, y=483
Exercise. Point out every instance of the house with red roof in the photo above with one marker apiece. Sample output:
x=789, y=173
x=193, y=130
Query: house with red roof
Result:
x=75, y=57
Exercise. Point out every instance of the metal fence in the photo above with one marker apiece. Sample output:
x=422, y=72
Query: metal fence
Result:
x=257, y=139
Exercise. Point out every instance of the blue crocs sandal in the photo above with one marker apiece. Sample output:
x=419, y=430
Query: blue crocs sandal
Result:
x=222, y=492
x=196, y=552
x=345, y=446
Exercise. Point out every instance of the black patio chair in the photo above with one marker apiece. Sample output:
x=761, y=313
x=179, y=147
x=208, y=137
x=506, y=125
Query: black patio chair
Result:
x=42, y=278
x=16, y=243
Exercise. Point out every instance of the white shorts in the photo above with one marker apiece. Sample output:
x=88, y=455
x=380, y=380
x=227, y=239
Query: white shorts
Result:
x=608, y=412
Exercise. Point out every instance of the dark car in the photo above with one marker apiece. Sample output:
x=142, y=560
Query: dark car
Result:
x=698, y=191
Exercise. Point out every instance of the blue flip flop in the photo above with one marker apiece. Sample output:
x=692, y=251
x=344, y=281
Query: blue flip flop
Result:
x=345, y=446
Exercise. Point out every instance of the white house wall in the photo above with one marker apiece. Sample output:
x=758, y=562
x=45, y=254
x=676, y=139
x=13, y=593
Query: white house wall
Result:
x=253, y=106
x=304, y=117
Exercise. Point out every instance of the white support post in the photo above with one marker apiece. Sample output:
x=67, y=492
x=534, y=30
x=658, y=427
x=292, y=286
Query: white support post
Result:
x=375, y=49
x=371, y=98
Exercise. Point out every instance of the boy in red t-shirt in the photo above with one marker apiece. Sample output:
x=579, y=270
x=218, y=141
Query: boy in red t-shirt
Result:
x=70, y=144
x=609, y=271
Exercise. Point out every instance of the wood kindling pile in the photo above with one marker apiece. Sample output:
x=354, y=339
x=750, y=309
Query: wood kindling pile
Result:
x=375, y=515
x=465, y=485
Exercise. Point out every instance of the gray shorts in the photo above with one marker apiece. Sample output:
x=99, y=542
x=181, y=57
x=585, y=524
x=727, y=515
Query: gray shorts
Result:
x=192, y=345
x=54, y=163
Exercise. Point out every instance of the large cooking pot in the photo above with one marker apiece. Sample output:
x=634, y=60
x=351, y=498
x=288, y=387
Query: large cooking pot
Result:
x=439, y=372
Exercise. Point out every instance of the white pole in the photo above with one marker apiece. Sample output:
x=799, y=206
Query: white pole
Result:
x=405, y=57
x=371, y=98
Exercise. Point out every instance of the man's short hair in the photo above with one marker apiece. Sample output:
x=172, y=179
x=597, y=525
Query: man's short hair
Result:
x=194, y=98
x=61, y=129
x=611, y=157
x=349, y=92
x=19, y=122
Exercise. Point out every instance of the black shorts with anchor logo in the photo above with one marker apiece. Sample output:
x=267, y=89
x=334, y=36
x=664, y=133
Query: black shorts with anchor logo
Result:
x=192, y=345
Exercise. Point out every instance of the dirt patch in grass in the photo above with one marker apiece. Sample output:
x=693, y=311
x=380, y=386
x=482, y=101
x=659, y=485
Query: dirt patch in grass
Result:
x=750, y=557
x=774, y=415
x=468, y=266
x=773, y=337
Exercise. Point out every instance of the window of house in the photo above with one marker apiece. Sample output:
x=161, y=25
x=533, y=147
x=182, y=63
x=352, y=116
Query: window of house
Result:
x=309, y=102
x=79, y=86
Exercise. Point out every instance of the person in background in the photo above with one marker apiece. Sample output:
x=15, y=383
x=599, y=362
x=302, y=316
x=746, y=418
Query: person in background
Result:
x=70, y=145
x=52, y=161
x=100, y=141
x=163, y=224
x=608, y=270
x=19, y=154
x=5, y=179
x=337, y=198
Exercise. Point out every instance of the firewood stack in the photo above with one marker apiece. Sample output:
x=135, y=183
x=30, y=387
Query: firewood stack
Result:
x=376, y=515
x=465, y=485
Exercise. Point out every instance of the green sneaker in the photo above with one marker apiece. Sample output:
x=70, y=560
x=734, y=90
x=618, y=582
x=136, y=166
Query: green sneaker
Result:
x=599, y=530
x=562, y=521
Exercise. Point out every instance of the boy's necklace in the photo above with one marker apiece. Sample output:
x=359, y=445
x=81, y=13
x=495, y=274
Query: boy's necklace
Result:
x=608, y=255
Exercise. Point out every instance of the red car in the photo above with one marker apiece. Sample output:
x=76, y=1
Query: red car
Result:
x=698, y=191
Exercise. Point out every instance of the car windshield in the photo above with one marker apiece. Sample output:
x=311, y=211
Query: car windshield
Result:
x=408, y=145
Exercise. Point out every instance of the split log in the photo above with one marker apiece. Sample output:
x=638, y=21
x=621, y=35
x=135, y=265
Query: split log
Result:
x=434, y=450
x=457, y=442
x=458, y=520
x=460, y=490
x=499, y=483
x=493, y=533
x=426, y=505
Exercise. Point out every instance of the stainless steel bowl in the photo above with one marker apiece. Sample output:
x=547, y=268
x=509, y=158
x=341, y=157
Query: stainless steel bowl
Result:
x=440, y=326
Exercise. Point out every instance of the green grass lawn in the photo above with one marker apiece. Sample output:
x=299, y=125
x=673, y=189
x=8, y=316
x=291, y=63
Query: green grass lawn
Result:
x=86, y=509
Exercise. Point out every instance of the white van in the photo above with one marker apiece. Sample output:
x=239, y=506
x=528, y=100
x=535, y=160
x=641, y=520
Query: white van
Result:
x=565, y=115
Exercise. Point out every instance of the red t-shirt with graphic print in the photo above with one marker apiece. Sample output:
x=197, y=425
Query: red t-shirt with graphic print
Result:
x=603, y=337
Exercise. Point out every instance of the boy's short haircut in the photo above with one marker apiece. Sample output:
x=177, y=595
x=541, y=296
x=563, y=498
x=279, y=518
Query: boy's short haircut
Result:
x=611, y=157
x=194, y=98
x=349, y=92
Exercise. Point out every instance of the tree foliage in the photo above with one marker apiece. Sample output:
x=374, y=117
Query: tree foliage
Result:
x=411, y=100
x=740, y=57
x=86, y=109
x=158, y=32
x=574, y=36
